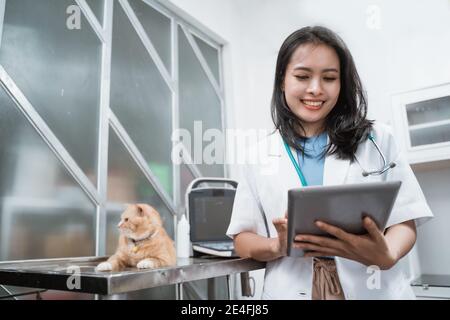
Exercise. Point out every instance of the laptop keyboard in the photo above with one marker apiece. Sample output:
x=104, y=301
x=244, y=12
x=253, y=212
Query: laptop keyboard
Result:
x=224, y=246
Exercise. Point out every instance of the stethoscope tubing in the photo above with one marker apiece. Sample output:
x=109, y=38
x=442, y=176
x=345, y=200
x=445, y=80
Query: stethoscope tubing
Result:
x=365, y=173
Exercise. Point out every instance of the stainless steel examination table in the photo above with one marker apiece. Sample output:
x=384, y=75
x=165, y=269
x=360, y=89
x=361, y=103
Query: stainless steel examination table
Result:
x=59, y=274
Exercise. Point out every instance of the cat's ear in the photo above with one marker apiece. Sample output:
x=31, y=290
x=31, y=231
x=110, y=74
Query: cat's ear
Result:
x=143, y=209
x=140, y=210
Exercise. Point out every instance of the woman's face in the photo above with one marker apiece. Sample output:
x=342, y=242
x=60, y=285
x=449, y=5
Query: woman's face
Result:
x=311, y=85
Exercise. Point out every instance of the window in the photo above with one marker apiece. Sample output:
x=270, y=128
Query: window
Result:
x=86, y=119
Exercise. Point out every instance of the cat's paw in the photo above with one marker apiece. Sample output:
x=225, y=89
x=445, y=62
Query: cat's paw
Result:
x=145, y=264
x=104, y=266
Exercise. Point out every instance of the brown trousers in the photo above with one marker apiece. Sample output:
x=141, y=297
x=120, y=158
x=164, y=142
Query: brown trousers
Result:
x=326, y=284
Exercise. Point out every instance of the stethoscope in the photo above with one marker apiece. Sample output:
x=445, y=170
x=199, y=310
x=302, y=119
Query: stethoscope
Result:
x=385, y=166
x=365, y=173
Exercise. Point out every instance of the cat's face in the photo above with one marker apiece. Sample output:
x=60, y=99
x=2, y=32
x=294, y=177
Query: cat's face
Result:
x=139, y=221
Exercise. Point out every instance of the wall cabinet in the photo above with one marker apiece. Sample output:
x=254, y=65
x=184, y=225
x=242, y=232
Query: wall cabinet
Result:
x=422, y=123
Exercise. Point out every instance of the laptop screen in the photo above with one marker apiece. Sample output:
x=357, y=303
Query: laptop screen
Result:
x=210, y=213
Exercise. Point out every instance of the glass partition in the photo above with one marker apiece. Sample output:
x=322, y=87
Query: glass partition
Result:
x=58, y=70
x=199, y=106
x=43, y=211
x=141, y=99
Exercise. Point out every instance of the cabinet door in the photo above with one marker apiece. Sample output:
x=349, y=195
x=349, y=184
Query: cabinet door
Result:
x=422, y=120
x=428, y=121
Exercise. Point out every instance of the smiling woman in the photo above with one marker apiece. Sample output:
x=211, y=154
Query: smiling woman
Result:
x=319, y=110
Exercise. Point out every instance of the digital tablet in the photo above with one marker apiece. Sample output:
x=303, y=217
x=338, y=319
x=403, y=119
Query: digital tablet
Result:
x=343, y=206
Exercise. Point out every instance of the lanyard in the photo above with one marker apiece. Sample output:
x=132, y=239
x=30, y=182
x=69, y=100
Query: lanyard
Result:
x=296, y=166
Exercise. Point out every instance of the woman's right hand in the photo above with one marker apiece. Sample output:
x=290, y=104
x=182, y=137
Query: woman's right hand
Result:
x=280, y=243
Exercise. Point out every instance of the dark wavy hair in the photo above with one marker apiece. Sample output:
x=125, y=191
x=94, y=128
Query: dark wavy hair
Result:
x=346, y=124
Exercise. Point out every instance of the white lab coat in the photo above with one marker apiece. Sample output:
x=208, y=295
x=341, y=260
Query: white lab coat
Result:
x=266, y=177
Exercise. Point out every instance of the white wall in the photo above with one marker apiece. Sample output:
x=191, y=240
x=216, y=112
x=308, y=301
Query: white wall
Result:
x=406, y=49
x=434, y=237
x=410, y=49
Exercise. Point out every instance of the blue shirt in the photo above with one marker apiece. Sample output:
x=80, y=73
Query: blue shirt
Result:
x=312, y=162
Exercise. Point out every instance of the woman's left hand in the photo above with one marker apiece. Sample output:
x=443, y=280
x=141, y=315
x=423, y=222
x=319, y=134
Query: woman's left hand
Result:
x=369, y=249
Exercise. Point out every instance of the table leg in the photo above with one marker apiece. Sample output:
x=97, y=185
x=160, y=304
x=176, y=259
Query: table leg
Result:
x=179, y=291
x=229, y=285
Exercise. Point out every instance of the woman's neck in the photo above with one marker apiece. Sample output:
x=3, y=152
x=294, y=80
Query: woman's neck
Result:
x=311, y=129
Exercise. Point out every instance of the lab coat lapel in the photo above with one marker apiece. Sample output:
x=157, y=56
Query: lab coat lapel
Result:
x=287, y=171
x=335, y=170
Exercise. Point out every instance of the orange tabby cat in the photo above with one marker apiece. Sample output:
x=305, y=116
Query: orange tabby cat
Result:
x=143, y=242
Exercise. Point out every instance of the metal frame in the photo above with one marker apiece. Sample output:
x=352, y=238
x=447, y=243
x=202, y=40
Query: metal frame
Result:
x=161, y=9
x=140, y=160
x=187, y=161
x=182, y=16
x=99, y=195
x=147, y=43
x=14, y=296
x=223, y=105
x=47, y=135
x=193, y=26
x=102, y=167
x=175, y=124
x=202, y=61
x=92, y=19
x=216, y=46
x=218, y=87
x=175, y=108
x=11, y=294
x=2, y=16
x=106, y=117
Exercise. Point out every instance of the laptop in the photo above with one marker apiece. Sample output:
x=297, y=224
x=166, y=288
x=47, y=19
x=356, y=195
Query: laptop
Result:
x=209, y=216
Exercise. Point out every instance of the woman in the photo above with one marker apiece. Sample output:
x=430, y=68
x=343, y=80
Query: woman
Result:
x=319, y=111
